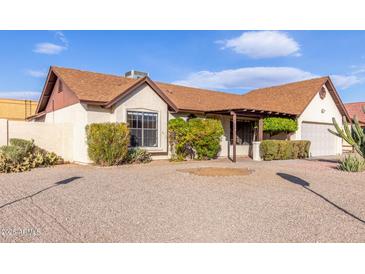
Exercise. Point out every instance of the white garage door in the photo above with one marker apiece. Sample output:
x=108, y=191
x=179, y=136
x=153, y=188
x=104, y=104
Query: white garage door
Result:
x=323, y=143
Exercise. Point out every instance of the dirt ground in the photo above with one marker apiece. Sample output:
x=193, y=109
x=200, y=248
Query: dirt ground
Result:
x=280, y=201
x=218, y=171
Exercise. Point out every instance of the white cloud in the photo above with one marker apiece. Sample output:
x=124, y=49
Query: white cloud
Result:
x=48, y=48
x=51, y=48
x=23, y=95
x=59, y=35
x=345, y=81
x=245, y=78
x=36, y=73
x=263, y=44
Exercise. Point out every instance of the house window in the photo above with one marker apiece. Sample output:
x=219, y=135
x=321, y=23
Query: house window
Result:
x=245, y=132
x=143, y=128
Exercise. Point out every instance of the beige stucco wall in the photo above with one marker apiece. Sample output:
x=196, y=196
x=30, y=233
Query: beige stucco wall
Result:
x=313, y=113
x=3, y=132
x=145, y=99
x=56, y=138
x=77, y=116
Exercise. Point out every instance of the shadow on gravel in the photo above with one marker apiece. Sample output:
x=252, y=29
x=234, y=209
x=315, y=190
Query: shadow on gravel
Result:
x=56, y=184
x=305, y=185
x=333, y=161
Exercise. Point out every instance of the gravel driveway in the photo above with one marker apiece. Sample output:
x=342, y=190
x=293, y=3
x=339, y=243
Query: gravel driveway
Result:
x=282, y=201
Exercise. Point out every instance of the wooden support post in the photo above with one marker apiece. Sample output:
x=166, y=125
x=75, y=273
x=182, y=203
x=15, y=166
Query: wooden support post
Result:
x=261, y=130
x=234, y=158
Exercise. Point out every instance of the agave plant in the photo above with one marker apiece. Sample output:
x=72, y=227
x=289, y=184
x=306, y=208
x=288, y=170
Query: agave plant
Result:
x=353, y=134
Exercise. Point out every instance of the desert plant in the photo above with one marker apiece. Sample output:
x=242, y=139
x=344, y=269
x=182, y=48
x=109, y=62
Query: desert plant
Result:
x=14, y=154
x=284, y=150
x=352, y=163
x=198, y=138
x=275, y=125
x=353, y=135
x=107, y=143
x=22, y=155
x=138, y=155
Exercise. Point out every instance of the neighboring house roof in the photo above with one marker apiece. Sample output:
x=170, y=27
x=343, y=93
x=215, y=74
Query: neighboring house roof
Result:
x=105, y=89
x=356, y=109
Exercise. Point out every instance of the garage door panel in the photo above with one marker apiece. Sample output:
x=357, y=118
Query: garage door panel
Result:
x=323, y=143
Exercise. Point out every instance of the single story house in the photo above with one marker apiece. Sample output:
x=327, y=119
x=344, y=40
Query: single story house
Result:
x=358, y=110
x=80, y=97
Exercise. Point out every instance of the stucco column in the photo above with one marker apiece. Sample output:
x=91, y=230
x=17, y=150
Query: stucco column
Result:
x=256, y=151
x=4, y=134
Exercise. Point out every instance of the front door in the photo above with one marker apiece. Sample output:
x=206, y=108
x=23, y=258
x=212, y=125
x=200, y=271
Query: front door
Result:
x=245, y=132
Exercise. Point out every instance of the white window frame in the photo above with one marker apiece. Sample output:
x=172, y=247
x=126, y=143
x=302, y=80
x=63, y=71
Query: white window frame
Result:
x=157, y=113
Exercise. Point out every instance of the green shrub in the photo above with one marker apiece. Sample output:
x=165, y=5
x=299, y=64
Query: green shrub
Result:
x=205, y=136
x=275, y=125
x=178, y=139
x=352, y=163
x=198, y=138
x=284, y=150
x=23, y=155
x=137, y=155
x=107, y=143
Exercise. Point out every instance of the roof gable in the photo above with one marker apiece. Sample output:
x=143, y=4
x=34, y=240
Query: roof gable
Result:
x=95, y=88
x=292, y=98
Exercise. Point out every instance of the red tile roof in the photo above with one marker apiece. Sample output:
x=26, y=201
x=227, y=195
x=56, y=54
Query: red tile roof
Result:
x=356, y=109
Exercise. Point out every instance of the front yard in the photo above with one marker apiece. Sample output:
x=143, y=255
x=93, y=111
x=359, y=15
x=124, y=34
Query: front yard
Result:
x=281, y=201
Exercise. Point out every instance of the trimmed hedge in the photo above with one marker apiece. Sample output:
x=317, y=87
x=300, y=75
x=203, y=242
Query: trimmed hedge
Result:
x=284, y=150
x=275, y=125
x=107, y=143
x=198, y=138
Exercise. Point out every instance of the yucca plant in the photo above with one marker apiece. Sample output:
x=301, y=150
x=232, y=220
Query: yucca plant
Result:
x=353, y=134
x=352, y=163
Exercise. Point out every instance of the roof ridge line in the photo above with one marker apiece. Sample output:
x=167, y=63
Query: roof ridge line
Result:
x=295, y=82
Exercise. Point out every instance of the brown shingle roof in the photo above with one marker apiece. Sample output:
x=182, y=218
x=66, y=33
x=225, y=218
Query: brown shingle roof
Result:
x=188, y=98
x=356, y=109
x=290, y=98
x=92, y=86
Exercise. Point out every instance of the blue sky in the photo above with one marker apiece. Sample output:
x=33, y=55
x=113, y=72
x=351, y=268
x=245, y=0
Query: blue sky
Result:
x=231, y=61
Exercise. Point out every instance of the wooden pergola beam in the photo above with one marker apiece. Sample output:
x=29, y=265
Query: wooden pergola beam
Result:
x=261, y=130
x=234, y=118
